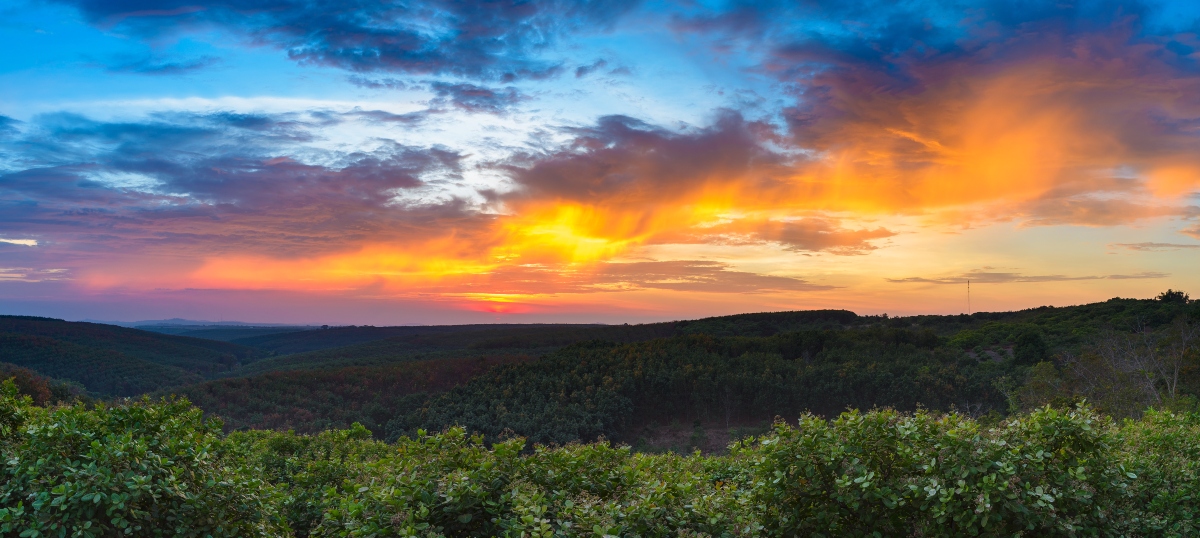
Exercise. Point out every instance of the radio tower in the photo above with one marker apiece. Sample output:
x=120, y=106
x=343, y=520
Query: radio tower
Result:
x=968, y=297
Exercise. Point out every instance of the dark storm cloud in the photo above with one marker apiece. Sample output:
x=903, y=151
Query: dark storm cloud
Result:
x=487, y=40
x=214, y=181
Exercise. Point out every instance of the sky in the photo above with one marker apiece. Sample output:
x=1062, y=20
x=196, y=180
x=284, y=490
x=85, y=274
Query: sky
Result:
x=439, y=161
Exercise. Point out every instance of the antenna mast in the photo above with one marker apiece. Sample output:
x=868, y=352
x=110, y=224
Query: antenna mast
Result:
x=968, y=297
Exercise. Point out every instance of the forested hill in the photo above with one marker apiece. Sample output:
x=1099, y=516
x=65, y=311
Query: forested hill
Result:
x=1056, y=321
x=283, y=341
x=563, y=382
x=115, y=361
x=1066, y=468
x=224, y=333
x=416, y=335
x=714, y=374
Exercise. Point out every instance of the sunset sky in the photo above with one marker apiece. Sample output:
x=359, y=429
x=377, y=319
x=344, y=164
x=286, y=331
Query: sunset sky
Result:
x=385, y=162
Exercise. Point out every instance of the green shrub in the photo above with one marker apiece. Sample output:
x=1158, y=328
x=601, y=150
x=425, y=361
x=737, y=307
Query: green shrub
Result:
x=307, y=469
x=1163, y=450
x=453, y=485
x=1051, y=473
x=150, y=468
x=137, y=469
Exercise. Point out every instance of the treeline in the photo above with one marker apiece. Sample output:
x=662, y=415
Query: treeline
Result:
x=164, y=470
x=598, y=389
x=1123, y=372
x=40, y=389
x=606, y=389
x=416, y=336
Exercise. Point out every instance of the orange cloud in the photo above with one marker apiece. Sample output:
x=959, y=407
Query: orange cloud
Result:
x=1014, y=139
x=1096, y=137
x=1041, y=142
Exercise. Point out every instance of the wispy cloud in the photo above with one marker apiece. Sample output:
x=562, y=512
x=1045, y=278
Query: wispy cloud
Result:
x=472, y=98
x=1154, y=247
x=156, y=66
x=28, y=274
x=993, y=277
x=216, y=182
x=585, y=70
x=8, y=126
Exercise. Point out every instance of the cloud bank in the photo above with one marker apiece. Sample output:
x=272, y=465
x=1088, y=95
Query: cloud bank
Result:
x=836, y=131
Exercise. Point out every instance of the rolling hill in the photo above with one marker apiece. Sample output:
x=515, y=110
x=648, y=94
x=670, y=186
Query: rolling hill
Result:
x=224, y=333
x=719, y=373
x=317, y=339
x=612, y=379
x=311, y=402
x=115, y=361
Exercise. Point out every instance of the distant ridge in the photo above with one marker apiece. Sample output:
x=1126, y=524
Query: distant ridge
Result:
x=115, y=361
x=193, y=322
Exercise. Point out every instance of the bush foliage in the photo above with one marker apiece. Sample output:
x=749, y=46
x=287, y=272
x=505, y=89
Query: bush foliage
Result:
x=141, y=469
x=157, y=468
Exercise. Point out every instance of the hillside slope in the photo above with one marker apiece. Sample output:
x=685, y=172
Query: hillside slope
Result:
x=311, y=402
x=385, y=345
x=617, y=380
x=223, y=333
x=114, y=361
x=317, y=339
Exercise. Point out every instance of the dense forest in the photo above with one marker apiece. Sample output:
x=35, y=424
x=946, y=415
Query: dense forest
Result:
x=1075, y=421
x=674, y=385
x=307, y=403
x=708, y=379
